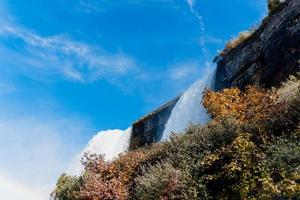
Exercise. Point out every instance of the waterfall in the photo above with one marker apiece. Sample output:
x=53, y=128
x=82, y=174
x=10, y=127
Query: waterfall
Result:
x=109, y=143
x=189, y=108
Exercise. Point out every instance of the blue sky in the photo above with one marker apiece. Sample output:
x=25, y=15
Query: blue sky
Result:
x=72, y=68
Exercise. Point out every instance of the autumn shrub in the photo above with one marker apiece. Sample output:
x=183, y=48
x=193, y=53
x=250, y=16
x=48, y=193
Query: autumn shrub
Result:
x=233, y=43
x=161, y=181
x=67, y=188
x=274, y=5
x=183, y=156
x=238, y=174
x=109, y=180
x=283, y=161
x=125, y=166
x=263, y=110
x=244, y=106
x=153, y=154
x=249, y=168
x=289, y=92
x=289, y=89
x=248, y=171
x=100, y=181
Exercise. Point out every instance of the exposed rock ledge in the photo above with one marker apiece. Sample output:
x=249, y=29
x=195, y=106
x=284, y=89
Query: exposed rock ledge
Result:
x=149, y=129
x=268, y=56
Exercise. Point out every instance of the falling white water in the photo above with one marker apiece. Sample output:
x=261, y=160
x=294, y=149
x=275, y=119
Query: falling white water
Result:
x=189, y=109
x=109, y=143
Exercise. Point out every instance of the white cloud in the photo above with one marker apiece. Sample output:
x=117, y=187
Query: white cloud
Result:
x=36, y=146
x=184, y=71
x=15, y=191
x=87, y=6
x=6, y=87
x=35, y=151
x=191, y=4
x=62, y=55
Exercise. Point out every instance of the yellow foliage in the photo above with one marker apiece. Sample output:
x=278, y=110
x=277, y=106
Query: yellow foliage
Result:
x=252, y=104
x=233, y=43
x=125, y=165
x=243, y=150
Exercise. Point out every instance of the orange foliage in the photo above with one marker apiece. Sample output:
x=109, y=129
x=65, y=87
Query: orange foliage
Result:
x=125, y=165
x=252, y=104
x=172, y=185
x=108, y=180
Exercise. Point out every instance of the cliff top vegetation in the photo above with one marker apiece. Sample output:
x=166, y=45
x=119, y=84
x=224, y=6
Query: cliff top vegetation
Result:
x=273, y=7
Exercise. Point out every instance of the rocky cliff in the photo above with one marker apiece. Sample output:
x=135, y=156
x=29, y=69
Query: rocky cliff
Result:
x=268, y=56
x=149, y=129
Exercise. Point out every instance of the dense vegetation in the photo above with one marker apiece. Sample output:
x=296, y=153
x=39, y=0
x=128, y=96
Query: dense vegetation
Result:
x=250, y=150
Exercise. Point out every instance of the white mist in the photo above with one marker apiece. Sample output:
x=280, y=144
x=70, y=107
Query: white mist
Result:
x=189, y=109
x=109, y=143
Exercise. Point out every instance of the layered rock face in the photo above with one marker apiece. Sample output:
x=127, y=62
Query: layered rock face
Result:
x=269, y=56
x=149, y=129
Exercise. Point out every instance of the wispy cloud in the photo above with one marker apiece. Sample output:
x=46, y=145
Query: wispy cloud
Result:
x=95, y=6
x=6, y=87
x=184, y=71
x=192, y=4
x=62, y=55
x=87, y=6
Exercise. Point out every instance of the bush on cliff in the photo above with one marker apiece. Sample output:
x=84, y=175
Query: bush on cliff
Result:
x=250, y=150
x=233, y=43
x=274, y=5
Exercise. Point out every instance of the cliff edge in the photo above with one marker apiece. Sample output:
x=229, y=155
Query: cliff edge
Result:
x=268, y=56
